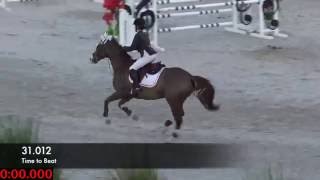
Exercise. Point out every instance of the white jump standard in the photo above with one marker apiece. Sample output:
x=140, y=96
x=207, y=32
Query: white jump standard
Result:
x=234, y=25
x=261, y=31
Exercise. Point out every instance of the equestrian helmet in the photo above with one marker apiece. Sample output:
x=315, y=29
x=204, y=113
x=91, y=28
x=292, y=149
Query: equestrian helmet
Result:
x=140, y=23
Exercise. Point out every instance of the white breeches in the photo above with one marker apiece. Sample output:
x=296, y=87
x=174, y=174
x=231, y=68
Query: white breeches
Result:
x=146, y=59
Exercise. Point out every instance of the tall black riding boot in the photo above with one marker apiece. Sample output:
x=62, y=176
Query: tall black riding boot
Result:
x=136, y=81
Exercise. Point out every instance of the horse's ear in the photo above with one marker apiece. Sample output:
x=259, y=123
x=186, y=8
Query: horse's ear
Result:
x=105, y=38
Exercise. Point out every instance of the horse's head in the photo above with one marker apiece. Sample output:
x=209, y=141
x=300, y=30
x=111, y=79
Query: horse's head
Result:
x=104, y=49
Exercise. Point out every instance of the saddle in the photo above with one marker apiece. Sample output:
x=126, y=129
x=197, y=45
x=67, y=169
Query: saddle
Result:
x=151, y=68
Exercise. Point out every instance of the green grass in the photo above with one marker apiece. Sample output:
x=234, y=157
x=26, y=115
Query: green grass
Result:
x=57, y=174
x=135, y=174
x=14, y=129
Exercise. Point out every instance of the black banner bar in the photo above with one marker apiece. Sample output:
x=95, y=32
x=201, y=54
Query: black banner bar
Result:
x=119, y=155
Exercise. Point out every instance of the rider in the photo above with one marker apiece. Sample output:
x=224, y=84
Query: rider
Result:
x=140, y=43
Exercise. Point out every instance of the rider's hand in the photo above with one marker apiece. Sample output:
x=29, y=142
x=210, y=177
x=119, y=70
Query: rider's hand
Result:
x=162, y=49
x=157, y=48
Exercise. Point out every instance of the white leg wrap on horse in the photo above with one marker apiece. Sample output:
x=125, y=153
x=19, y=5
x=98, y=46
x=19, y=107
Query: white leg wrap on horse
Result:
x=143, y=61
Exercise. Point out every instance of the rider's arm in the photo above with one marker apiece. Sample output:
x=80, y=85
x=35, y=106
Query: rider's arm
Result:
x=134, y=44
x=146, y=44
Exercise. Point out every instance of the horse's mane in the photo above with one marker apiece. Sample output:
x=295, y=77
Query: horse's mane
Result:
x=122, y=51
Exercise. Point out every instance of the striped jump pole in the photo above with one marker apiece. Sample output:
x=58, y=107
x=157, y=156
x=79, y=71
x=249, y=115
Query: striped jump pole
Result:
x=161, y=2
x=3, y=3
x=203, y=12
x=97, y=1
x=201, y=26
x=189, y=7
x=22, y=1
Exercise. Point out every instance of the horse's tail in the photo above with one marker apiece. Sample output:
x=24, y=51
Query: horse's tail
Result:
x=205, y=92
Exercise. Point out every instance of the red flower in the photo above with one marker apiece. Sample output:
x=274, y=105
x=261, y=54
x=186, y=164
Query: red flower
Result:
x=112, y=7
x=108, y=17
x=113, y=4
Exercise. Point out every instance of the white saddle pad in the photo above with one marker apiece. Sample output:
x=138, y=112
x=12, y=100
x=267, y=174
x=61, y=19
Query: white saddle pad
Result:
x=150, y=80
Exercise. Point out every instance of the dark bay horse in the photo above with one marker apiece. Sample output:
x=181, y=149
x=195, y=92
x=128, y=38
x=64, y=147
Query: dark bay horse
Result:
x=174, y=84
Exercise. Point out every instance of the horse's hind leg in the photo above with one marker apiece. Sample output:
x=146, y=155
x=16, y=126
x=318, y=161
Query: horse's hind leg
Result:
x=176, y=106
x=112, y=97
x=125, y=109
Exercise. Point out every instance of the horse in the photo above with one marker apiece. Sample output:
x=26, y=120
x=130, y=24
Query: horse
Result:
x=174, y=84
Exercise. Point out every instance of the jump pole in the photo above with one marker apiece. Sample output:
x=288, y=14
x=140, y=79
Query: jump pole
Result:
x=161, y=2
x=3, y=4
x=203, y=12
x=198, y=6
x=179, y=28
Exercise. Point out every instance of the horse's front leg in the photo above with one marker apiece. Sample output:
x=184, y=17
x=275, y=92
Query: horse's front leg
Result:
x=122, y=102
x=113, y=97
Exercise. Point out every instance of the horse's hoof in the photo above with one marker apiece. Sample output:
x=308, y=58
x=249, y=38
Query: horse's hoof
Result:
x=127, y=111
x=216, y=107
x=213, y=107
x=135, y=117
x=168, y=123
x=108, y=121
x=175, y=135
x=164, y=130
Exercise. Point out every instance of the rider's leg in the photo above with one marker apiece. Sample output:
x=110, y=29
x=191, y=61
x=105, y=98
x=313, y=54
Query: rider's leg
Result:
x=136, y=79
x=133, y=70
x=143, y=61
